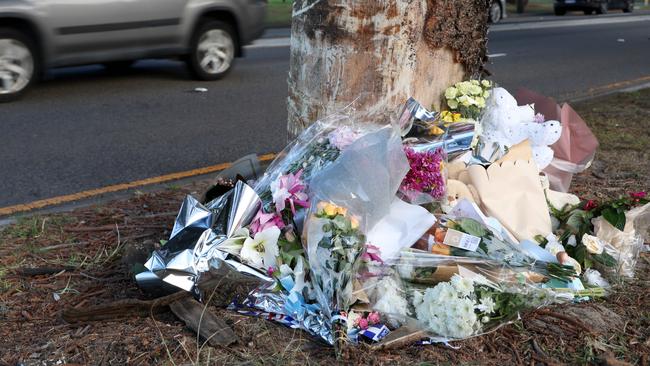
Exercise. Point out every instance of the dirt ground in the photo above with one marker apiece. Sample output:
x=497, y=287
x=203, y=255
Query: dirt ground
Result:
x=78, y=259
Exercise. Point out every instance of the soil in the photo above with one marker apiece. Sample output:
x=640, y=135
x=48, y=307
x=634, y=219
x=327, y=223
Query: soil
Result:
x=82, y=258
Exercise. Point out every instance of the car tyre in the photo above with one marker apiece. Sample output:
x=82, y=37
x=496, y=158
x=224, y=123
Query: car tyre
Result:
x=602, y=9
x=212, y=50
x=588, y=11
x=495, y=12
x=559, y=11
x=629, y=8
x=19, y=64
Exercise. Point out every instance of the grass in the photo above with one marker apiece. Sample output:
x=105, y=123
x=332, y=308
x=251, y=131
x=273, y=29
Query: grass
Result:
x=279, y=13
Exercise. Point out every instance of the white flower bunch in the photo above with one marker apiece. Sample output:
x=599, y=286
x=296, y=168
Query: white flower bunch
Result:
x=468, y=97
x=261, y=251
x=389, y=299
x=452, y=308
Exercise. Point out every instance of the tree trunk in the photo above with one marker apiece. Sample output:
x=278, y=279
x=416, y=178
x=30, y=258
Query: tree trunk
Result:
x=383, y=51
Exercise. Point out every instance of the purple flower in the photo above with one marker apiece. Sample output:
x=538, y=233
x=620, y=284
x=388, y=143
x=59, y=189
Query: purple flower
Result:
x=263, y=221
x=425, y=174
x=539, y=118
x=372, y=254
x=342, y=137
x=637, y=194
x=289, y=188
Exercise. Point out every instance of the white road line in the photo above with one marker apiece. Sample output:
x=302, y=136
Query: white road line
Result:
x=271, y=42
x=286, y=41
x=568, y=23
x=495, y=55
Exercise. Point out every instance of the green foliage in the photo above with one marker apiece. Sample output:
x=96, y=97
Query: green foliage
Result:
x=614, y=216
x=472, y=227
x=561, y=272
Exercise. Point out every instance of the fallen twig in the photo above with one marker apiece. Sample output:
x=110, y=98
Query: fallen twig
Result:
x=42, y=271
x=121, y=309
x=111, y=228
x=568, y=319
x=214, y=330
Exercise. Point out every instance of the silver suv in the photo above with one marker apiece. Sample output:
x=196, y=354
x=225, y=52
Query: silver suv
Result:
x=39, y=34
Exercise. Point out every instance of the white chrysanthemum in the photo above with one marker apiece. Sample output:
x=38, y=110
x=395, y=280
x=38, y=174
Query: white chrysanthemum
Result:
x=487, y=305
x=463, y=286
x=261, y=251
x=417, y=298
x=451, y=93
x=405, y=270
x=389, y=299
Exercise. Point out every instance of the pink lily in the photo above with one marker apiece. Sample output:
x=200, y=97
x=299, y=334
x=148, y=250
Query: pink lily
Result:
x=372, y=254
x=289, y=188
x=262, y=221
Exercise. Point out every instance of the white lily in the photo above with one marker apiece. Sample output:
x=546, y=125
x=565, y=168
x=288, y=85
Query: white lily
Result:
x=234, y=244
x=262, y=250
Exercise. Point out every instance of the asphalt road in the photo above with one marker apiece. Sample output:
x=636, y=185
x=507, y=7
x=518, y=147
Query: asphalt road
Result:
x=84, y=128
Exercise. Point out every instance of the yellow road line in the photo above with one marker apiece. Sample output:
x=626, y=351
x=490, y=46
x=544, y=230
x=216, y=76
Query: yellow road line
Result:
x=617, y=85
x=9, y=210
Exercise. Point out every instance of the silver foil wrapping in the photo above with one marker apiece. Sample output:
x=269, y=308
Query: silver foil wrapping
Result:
x=411, y=112
x=457, y=140
x=192, y=256
x=197, y=233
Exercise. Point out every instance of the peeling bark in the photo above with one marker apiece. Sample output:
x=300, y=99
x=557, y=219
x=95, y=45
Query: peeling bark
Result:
x=385, y=50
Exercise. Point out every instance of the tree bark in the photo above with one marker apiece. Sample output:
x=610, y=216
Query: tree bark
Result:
x=380, y=52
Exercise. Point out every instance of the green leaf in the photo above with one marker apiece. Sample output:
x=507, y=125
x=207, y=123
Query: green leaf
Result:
x=472, y=227
x=341, y=223
x=615, y=217
x=541, y=240
x=605, y=259
x=580, y=254
x=324, y=243
x=577, y=221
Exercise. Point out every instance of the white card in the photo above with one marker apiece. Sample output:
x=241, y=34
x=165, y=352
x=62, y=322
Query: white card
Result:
x=461, y=240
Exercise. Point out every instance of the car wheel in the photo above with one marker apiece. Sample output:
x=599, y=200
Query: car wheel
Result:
x=629, y=8
x=559, y=11
x=588, y=11
x=495, y=12
x=212, y=52
x=18, y=64
x=602, y=9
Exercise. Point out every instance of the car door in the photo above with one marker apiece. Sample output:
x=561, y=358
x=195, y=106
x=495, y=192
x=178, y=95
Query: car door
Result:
x=97, y=30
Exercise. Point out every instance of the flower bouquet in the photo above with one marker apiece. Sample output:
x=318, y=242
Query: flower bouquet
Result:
x=466, y=100
x=335, y=245
x=425, y=181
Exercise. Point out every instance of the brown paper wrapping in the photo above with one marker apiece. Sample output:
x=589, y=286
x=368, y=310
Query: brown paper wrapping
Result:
x=512, y=193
